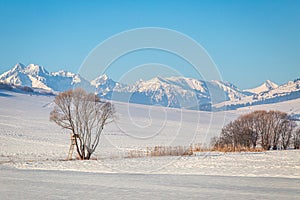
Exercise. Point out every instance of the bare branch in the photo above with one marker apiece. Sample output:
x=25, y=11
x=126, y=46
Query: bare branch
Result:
x=85, y=115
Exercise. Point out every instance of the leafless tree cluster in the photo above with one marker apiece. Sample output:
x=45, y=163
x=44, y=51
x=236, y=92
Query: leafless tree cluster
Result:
x=269, y=129
x=85, y=115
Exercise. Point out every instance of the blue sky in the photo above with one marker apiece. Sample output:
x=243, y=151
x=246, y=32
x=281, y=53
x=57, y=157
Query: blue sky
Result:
x=250, y=41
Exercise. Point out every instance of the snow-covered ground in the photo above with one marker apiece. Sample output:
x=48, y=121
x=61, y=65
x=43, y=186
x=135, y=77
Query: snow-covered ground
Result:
x=39, y=184
x=31, y=147
x=267, y=164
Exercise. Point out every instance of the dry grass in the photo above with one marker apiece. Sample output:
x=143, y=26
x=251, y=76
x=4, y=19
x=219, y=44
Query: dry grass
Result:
x=166, y=151
x=236, y=149
x=183, y=150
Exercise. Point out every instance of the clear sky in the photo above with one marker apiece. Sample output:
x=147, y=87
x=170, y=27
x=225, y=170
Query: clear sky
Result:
x=250, y=41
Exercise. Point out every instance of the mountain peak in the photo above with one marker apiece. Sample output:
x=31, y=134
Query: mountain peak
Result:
x=271, y=85
x=104, y=77
x=266, y=86
x=158, y=79
x=11, y=75
x=36, y=70
x=19, y=66
x=63, y=73
x=101, y=80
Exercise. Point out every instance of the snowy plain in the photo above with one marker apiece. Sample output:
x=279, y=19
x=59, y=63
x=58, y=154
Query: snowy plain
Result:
x=33, y=152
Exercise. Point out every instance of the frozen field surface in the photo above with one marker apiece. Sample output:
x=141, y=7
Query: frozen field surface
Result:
x=33, y=152
x=285, y=164
x=36, y=184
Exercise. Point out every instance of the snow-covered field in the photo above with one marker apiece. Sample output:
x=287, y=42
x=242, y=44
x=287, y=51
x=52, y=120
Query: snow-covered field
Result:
x=33, y=152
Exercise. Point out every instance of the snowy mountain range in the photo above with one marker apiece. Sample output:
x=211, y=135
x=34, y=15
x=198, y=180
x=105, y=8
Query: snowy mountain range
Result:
x=287, y=91
x=38, y=77
x=178, y=92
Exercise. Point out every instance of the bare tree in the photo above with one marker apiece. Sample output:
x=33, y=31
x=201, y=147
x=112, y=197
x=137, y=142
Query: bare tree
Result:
x=235, y=135
x=265, y=125
x=296, y=138
x=85, y=115
x=286, y=130
x=273, y=127
x=249, y=122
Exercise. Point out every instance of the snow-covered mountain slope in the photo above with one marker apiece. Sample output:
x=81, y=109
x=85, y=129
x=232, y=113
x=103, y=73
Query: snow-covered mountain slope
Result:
x=231, y=91
x=103, y=84
x=16, y=76
x=62, y=80
x=266, y=86
x=171, y=92
x=288, y=91
x=179, y=92
x=38, y=77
